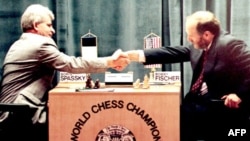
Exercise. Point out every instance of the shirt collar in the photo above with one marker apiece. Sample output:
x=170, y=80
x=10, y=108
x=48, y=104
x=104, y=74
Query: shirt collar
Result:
x=208, y=47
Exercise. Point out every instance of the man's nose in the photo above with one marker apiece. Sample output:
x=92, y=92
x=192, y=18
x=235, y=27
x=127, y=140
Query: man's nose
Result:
x=189, y=39
x=53, y=30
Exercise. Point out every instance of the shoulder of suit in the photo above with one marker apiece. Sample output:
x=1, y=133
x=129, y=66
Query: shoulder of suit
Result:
x=38, y=38
x=225, y=38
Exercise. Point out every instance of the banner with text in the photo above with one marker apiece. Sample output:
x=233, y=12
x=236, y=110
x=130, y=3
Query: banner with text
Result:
x=167, y=76
x=69, y=77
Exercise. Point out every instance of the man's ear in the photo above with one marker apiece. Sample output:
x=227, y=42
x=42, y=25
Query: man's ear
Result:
x=35, y=25
x=208, y=35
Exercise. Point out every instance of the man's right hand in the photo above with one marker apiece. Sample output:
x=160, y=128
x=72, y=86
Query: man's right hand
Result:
x=118, y=61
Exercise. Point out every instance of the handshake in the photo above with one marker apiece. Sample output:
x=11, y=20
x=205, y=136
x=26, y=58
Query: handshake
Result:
x=119, y=60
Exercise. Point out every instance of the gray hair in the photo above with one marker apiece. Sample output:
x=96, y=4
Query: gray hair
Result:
x=205, y=21
x=34, y=14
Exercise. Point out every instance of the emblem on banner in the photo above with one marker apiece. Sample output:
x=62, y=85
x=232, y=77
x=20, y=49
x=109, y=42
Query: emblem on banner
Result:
x=115, y=133
x=152, y=40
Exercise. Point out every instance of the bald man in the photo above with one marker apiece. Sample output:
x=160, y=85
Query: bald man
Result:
x=219, y=95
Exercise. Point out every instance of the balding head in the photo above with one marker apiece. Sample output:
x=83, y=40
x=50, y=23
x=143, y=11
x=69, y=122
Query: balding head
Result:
x=204, y=21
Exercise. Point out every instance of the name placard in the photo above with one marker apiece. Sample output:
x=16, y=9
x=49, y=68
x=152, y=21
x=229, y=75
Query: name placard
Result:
x=167, y=76
x=118, y=78
x=69, y=77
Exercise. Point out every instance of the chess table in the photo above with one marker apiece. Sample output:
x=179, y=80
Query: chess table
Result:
x=114, y=112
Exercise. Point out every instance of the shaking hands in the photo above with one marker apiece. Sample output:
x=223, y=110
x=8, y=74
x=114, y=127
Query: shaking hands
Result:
x=119, y=60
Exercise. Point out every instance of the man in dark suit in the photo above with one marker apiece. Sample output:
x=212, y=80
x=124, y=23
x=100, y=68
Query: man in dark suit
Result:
x=219, y=104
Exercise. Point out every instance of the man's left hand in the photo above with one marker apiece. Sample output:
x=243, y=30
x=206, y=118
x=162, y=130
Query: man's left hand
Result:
x=231, y=100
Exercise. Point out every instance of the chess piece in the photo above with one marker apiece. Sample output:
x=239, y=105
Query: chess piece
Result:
x=137, y=84
x=88, y=82
x=151, y=75
x=97, y=84
x=145, y=82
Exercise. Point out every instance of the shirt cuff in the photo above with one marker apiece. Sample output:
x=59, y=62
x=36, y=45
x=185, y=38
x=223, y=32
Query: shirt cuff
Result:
x=141, y=56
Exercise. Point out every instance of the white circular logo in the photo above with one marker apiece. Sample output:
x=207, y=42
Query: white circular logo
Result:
x=115, y=133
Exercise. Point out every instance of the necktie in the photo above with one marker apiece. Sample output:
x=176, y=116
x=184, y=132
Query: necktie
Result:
x=196, y=87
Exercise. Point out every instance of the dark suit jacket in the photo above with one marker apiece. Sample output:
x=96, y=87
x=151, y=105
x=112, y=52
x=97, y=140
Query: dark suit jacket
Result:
x=227, y=69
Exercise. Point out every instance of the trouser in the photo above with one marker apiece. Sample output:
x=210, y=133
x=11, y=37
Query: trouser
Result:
x=211, y=120
x=19, y=126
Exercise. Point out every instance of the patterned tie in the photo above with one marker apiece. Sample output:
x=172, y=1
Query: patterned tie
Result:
x=196, y=87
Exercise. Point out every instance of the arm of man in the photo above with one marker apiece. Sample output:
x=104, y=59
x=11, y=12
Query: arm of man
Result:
x=239, y=54
x=50, y=55
x=160, y=55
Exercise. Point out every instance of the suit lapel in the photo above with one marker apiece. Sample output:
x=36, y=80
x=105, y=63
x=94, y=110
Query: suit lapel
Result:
x=210, y=61
x=211, y=57
x=196, y=58
x=195, y=64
